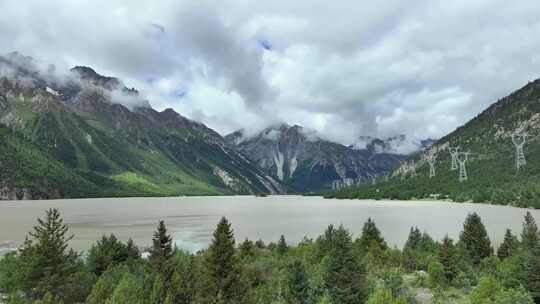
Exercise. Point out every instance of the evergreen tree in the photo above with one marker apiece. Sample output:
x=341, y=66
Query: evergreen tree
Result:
x=410, y=250
x=436, y=275
x=222, y=266
x=297, y=283
x=247, y=249
x=370, y=236
x=509, y=246
x=414, y=239
x=157, y=294
x=487, y=291
x=532, y=281
x=162, y=250
x=345, y=276
x=529, y=235
x=325, y=242
x=132, y=252
x=183, y=282
x=475, y=239
x=259, y=244
x=447, y=258
x=427, y=244
x=47, y=263
x=129, y=290
x=105, y=285
x=108, y=252
x=282, y=246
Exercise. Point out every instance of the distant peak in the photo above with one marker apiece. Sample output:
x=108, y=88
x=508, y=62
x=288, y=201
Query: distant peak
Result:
x=169, y=111
x=87, y=73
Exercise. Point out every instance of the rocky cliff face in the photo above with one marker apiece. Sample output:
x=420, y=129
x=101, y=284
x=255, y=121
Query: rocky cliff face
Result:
x=93, y=124
x=305, y=162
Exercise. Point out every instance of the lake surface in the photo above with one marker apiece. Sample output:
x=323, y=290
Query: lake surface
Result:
x=191, y=220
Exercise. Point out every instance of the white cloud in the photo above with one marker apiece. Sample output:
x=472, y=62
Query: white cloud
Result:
x=346, y=69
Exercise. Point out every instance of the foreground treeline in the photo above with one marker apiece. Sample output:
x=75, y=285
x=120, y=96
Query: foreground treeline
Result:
x=333, y=268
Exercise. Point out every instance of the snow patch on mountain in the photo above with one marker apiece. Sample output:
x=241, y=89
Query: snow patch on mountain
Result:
x=279, y=162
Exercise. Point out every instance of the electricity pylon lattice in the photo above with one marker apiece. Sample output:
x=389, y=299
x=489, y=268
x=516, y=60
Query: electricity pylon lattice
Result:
x=453, y=154
x=462, y=158
x=431, y=159
x=412, y=168
x=518, y=139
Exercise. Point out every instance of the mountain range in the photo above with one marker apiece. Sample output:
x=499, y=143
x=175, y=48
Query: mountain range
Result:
x=68, y=136
x=490, y=173
x=304, y=162
x=81, y=134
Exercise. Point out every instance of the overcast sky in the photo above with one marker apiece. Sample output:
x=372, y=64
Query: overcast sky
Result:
x=343, y=68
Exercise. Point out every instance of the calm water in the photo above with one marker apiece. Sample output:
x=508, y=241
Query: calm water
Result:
x=191, y=220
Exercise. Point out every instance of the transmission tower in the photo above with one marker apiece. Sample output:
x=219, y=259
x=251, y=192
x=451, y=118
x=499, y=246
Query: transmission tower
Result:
x=519, y=141
x=431, y=159
x=412, y=168
x=462, y=158
x=453, y=154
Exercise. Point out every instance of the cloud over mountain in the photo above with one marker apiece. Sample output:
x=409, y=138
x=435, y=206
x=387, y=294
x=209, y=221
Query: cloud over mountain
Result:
x=344, y=69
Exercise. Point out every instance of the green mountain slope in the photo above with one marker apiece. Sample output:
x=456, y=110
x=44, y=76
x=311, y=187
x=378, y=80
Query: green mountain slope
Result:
x=491, y=169
x=78, y=123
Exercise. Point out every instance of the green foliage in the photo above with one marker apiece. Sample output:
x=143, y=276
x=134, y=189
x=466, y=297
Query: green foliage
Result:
x=247, y=249
x=383, y=295
x=46, y=263
x=222, y=266
x=486, y=292
x=437, y=275
x=345, y=277
x=532, y=282
x=514, y=296
x=327, y=270
x=184, y=279
x=475, y=239
x=157, y=294
x=490, y=291
x=371, y=236
x=109, y=252
x=529, y=235
x=297, y=284
x=282, y=246
x=106, y=284
x=53, y=151
x=447, y=258
x=162, y=250
x=509, y=246
x=419, y=250
x=129, y=290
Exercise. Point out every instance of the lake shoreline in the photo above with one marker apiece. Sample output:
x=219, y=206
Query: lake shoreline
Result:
x=193, y=218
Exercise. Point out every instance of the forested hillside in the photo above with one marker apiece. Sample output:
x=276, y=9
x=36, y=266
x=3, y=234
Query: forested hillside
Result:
x=83, y=125
x=492, y=174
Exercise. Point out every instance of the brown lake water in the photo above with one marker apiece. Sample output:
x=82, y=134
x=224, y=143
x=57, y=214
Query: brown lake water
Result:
x=191, y=220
